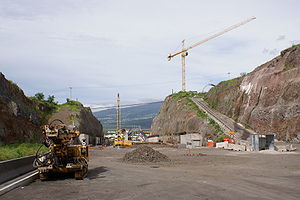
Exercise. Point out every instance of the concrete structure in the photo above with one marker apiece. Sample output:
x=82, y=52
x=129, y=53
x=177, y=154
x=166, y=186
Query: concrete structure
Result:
x=262, y=142
x=192, y=140
x=223, y=145
x=10, y=169
x=236, y=147
x=174, y=139
x=230, y=146
x=98, y=140
x=152, y=139
x=284, y=148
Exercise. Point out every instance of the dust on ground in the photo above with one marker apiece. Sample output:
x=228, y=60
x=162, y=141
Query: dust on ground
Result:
x=220, y=174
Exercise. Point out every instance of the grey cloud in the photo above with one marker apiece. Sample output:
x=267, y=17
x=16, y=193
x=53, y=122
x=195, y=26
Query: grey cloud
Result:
x=272, y=52
x=265, y=51
x=105, y=47
x=79, y=37
x=281, y=37
x=30, y=9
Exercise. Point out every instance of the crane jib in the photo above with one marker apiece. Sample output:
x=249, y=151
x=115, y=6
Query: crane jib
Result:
x=211, y=37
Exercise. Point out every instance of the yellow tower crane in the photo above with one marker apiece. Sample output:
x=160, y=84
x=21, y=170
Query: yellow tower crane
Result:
x=184, y=50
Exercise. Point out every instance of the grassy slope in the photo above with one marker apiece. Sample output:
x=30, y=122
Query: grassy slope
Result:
x=12, y=151
x=192, y=106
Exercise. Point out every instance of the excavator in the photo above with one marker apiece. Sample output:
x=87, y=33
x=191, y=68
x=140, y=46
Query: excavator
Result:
x=122, y=139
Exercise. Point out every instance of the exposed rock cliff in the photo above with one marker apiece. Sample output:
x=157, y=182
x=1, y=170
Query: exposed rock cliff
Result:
x=73, y=112
x=268, y=99
x=179, y=115
x=21, y=118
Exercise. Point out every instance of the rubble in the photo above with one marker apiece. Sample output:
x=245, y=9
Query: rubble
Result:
x=144, y=154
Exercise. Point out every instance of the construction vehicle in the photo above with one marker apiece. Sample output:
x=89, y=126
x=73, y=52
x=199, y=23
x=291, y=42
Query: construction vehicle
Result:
x=184, y=50
x=122, y=139
x=66, y=153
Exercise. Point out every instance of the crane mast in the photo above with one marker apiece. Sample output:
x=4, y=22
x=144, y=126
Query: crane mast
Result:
x=184, y=50
x=118, y=125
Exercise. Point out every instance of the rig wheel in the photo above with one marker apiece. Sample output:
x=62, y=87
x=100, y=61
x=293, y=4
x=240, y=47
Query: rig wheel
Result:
x=43, y=176
x=81, y=174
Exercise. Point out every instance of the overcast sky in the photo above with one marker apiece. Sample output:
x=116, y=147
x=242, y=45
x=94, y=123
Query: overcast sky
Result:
x=102, y=47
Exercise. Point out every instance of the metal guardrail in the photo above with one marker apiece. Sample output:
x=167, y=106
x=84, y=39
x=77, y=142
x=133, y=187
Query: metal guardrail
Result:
x=19, y=181
x=11, y=169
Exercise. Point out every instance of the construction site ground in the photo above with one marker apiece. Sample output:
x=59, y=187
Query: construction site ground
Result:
x=213, y=174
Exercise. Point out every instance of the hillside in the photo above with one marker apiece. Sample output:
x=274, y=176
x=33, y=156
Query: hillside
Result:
x=179, y=115
x=266, y=100
x=21, y=117
x=73, y=112
x=131, y=116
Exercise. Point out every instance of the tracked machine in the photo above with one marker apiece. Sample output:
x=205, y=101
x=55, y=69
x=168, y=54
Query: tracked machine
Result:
x=66, y=153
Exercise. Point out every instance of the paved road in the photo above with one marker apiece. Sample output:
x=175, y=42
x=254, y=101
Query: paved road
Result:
x=226, y=122
x=220, y=174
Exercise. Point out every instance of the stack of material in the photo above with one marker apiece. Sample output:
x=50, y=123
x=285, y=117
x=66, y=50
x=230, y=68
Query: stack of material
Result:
x=144, y=154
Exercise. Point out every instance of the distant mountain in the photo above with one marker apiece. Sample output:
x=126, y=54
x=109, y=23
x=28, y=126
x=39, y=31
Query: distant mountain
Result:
x=131, y=116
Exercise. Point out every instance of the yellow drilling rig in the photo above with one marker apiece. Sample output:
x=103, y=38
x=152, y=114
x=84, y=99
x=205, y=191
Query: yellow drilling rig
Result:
x=67, y=154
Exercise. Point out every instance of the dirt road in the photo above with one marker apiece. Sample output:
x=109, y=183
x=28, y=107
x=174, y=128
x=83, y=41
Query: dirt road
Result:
x=219, y=174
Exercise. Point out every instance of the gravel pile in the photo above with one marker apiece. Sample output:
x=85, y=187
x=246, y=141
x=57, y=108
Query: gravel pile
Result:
x=144, y=154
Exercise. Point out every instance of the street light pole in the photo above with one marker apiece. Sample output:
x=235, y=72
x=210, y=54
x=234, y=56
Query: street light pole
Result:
x=210, y=84
x=70, y=93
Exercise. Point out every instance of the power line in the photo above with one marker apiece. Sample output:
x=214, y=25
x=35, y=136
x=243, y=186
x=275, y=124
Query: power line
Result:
x=127, y=105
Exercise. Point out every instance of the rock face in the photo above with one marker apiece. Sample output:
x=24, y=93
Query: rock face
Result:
x=19, y=120
x=79, y=116
x=268, y=99
x=177, y=116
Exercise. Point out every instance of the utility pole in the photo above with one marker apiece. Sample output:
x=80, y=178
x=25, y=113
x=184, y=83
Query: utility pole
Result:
x=70, y=93
x=118, y=127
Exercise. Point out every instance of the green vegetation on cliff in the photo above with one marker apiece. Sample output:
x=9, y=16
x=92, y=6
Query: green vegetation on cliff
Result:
x=48, y=107
x=296, y=45
x=181, y=94
x=193, y=106
x=227, y=84
x=190, y=105
x=72, y=105
x=287, y=67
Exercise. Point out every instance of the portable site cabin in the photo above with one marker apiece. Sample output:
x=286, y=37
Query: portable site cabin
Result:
x=192, y=140
x=262, y=142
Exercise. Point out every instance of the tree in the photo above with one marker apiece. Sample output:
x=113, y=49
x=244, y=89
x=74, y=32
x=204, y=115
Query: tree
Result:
x=39, y=96
x=51, y=98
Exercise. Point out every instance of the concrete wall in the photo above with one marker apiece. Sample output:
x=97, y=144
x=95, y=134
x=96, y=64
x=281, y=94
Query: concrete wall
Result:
x=192, y=139
x=174, y=139
x=152, y=139
x=13, y=168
